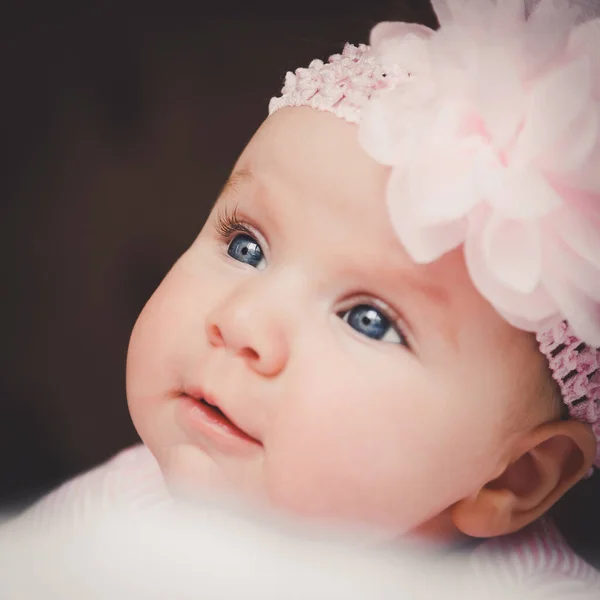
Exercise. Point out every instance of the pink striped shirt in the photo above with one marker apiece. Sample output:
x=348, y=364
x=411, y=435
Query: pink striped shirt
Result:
x=537, y=557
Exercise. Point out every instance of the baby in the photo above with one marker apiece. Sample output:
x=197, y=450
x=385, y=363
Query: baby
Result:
x=391, y=315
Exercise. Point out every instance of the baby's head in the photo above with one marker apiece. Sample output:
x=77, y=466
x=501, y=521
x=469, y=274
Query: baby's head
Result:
x=351, y=337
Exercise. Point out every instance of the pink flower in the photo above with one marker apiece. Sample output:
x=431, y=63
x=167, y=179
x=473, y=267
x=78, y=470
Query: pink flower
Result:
x=494, y=144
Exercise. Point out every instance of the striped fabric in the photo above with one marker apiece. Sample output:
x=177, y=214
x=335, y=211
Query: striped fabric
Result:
x=131, y=479
x=537, y=557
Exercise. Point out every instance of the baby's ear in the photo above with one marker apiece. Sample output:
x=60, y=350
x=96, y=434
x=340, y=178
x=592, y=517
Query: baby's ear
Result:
x=546, y=464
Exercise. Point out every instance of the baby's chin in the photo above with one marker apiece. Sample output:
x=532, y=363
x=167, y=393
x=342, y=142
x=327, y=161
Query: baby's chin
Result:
x=192, y=476
x=189, y=472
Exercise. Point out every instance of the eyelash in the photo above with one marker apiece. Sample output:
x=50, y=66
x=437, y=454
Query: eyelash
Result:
x=228, y=223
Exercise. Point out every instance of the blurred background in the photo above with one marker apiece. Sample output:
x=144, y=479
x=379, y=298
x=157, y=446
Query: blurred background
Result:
x=120, y=124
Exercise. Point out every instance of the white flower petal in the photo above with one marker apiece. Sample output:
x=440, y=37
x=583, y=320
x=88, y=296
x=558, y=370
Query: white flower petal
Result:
x=533, y=308
x=581, y=233
x=552, y=106
x=582, y=313
x=423, y=244
x=373, y=134
x=414, y=94
x=587, y=178
x=402, y=44
x=464, y=16
x=448, y=196
x=384, y=131
x=525, y=195
x=585, y=39
x=446, y=121
x=488, y=171
x=443, y=11
x=574, y=148
x=547, y=32
x=513, y=251
x=428, y=244
x=394, y=123
x=509, y=14
x=581, y=273
x=453, y=60
x=501, y=98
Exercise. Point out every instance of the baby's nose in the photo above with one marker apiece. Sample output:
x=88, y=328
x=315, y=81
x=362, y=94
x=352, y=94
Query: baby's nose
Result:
x=249, y=324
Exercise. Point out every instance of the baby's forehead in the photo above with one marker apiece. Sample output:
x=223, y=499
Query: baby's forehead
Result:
x=305, y=172
x=317, y=154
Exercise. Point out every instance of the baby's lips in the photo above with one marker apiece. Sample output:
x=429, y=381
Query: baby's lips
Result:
x=199, y=395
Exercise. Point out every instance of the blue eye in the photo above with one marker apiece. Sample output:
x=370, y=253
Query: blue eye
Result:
x=246, y=249
x=371, y=322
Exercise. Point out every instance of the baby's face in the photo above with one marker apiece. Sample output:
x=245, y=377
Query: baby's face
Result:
x=357, y=385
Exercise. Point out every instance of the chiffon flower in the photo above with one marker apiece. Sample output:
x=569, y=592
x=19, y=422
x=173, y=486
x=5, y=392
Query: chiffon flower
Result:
x=493, y=141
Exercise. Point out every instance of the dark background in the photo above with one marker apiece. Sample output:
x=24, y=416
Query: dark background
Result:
x=119, y=126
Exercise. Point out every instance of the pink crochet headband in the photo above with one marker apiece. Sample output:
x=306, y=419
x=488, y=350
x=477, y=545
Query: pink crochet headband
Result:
x=502, y=103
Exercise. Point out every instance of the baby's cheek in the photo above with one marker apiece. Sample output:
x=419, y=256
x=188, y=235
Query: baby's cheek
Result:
x=316, y=472
x=359, y=453
x=149, y=339
x=337, y=494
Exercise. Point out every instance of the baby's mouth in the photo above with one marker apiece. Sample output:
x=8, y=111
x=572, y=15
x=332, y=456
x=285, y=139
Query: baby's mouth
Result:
x=217, y=418
x=218, y=412
x=215, y=413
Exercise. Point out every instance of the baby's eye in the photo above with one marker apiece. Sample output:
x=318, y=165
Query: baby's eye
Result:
x=246, y=249
x=371, y=322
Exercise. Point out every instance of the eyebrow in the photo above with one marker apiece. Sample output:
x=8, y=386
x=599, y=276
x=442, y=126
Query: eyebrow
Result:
x=235, y=180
